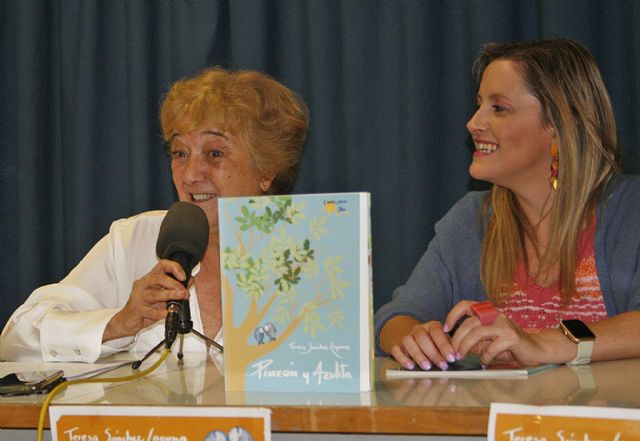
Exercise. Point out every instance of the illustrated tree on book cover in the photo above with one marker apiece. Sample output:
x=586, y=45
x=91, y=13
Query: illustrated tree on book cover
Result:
x=270, y=277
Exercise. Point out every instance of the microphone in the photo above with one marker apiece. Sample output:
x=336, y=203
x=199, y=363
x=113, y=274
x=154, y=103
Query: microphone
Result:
x=183, y=238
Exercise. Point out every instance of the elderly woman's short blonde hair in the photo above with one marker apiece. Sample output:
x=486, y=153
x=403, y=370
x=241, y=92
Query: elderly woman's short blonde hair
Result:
x=271, y=118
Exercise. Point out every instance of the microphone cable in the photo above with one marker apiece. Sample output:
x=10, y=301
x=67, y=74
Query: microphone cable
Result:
x=65, y=384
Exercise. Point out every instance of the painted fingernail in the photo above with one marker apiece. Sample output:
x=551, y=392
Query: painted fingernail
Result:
x=483, y=366
x=451, y=358
x=425, y=365
x=445, y=328
x=443, y=366
x=458, y=356
x=409, y=365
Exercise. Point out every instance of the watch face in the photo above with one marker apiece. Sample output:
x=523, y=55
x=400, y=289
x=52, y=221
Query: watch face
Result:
x=578, y=329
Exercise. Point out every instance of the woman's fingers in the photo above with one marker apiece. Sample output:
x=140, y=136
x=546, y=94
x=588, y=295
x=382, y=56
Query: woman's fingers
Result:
x=490, y=341
x=401, y=357
x=460, y=310
x=159, y=288
x=147, y=302
x=165, y=266
x=426, y=345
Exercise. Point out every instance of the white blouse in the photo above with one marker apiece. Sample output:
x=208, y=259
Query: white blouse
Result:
x=65, y=321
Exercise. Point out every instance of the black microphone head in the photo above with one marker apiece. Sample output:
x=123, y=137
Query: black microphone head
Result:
x=184, y=230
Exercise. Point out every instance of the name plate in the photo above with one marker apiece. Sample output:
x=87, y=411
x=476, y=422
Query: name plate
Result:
x=146, y=423
x=514, y=422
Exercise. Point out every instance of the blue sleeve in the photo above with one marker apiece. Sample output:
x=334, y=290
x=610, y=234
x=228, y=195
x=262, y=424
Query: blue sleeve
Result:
x=449, y=270
x=617, y=246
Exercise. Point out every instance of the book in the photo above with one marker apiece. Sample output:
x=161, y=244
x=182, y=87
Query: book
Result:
x=297, y=299
x=470, y=368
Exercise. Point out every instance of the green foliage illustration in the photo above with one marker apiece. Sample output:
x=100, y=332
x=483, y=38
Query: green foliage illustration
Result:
x=273, y=280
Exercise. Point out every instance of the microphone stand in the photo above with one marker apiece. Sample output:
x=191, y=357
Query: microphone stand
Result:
x=184, y=326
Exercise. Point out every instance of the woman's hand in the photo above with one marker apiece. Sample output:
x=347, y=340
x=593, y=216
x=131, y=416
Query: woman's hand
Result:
x=411, y=343
x=501, y=341
x=147, y=301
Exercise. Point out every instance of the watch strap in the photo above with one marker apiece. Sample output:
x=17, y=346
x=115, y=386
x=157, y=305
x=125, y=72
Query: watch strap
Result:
x=585, y=348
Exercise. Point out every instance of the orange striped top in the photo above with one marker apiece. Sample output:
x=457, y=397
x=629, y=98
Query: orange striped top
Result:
x=534, y=307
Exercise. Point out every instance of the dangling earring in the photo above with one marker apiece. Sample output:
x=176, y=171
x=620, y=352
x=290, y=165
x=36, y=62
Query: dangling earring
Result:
x=553, y=171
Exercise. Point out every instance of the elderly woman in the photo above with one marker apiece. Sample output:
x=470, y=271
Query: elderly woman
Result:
x=229, y=134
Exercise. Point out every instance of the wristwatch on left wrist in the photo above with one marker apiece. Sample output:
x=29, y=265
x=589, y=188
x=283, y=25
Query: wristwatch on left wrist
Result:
x=579, y=333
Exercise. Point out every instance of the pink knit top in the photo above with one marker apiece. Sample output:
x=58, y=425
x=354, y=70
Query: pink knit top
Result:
x=534, y=307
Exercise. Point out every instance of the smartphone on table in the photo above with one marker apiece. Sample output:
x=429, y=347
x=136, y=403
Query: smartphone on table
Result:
x=30, y=382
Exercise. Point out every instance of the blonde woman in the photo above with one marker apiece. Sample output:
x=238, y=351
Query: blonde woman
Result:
x=228, y=134
x=551, y=252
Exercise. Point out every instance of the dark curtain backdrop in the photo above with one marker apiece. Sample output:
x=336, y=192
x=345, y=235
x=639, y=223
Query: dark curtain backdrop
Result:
x=388, y=84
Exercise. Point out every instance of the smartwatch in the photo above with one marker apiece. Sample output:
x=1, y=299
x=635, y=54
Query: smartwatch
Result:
x=579, y=333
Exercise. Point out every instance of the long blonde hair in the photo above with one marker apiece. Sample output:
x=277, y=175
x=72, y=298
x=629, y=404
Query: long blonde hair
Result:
x=565, y=79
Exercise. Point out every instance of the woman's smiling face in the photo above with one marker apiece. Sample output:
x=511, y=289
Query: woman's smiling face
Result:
x=208, y=163
x=512, y=144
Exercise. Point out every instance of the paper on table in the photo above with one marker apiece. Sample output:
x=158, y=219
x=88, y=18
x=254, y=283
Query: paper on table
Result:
x=469, y=367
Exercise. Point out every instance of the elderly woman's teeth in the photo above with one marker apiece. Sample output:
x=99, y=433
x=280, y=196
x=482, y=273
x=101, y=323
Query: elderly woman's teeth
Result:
x=202, y=197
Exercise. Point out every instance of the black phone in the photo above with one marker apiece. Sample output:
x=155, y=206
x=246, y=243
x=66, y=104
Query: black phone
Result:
x=469, y=363
x=30, y=382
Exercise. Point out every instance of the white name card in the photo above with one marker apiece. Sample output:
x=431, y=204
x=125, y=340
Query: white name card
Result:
x=160, y=423
x=514, y=422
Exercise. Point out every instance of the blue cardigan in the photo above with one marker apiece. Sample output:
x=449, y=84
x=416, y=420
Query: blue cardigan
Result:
x=449, y=271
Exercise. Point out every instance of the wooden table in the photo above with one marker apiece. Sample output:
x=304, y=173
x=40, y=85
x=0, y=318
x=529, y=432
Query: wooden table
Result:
x=436, y=407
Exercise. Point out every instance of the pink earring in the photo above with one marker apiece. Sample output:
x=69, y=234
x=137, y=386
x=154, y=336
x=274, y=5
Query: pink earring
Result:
x=553, y=171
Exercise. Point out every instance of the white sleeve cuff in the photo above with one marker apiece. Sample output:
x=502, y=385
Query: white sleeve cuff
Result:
x=68, y=336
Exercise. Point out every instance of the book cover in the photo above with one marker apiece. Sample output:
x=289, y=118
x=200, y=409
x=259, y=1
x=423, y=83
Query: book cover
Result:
x=469, y=368
x=296, y=292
